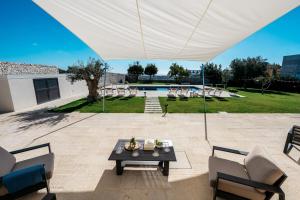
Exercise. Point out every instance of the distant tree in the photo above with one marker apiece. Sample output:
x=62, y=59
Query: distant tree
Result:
x=238, y=69
x=61, y=71
x=151, y=70
x=213, y=72
x=271, y=74
x=273, y=70
x=248, y=69
x=226, y=75
x=135, y=70
x=91, y=73
x=178, y=72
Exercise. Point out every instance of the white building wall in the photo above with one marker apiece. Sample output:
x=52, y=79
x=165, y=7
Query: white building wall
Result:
x=6, y=104
x=21, y=90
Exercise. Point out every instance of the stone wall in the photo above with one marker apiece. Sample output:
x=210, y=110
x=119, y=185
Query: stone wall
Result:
x=8, y=68
x=113, y=78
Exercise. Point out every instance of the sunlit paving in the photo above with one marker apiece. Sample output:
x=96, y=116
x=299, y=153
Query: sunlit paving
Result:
x=82, y=144
x=149, y=100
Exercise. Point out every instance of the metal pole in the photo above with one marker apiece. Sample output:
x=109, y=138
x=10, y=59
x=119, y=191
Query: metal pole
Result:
x=204, y=102
x=103, y=106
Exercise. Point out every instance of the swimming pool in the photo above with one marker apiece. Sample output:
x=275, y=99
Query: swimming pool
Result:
x=164, y=88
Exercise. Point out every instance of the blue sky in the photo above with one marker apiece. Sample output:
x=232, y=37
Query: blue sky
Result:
x=29, y=35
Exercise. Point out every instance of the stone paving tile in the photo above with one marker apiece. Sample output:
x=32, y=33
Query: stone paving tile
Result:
x=83, y=142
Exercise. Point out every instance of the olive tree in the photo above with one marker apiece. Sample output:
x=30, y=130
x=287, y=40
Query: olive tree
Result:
x=91, y=72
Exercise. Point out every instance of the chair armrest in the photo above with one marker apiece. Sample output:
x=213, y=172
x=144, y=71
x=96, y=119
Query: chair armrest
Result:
x=291, y=131
x=32, y=148
x=254, y=184
x=244, y=153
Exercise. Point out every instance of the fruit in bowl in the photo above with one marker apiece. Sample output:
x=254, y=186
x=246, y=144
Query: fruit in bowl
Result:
x=158, y=143
x=132, y=145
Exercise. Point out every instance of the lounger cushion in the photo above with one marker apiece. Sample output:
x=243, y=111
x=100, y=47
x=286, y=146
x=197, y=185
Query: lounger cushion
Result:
x=171, y=95
x=3, y=190
x=261, y=168
x=234, y=169
x=7, y=162
x=47, y=160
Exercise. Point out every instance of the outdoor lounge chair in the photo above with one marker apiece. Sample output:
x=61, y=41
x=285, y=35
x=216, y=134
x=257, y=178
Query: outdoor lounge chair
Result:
x=219, y=90
x=121, y=92
x=9, y=167
x=198, y=93
x=208, y=90
x=258, y=178
x=172, y=93
x=133, y=92
x=184, y=93
x=293, y=138
x=211, y=91
x=109, y=92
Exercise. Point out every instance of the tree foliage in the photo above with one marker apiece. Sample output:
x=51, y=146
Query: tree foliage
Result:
x=135, y=70
x=213, y=72
x=249, y=68
x=90, y=72
x=178, y=72
x=151, y=70
x=271, y=74
x=226, y=76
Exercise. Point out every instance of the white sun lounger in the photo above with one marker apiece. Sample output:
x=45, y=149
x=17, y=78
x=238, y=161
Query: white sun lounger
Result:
x=121, y=92
x=219, y=90
x=109, y=92
x=133, y=92
x=172, y=93
x=184, y=93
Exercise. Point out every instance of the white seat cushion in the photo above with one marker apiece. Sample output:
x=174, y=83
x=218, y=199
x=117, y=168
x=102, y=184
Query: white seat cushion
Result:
x=234, y=169
x=7, y=162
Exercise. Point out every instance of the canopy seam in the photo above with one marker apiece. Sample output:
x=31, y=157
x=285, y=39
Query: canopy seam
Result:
x=195, y=28
x=142, y=33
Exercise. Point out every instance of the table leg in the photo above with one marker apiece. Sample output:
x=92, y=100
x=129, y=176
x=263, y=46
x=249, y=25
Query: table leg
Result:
x=166, y=168
x=119, y=168
x=160, y=164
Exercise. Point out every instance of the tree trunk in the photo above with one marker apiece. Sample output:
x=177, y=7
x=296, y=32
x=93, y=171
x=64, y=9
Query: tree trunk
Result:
x=244, y=85
x=93, y=90
x=136, y=77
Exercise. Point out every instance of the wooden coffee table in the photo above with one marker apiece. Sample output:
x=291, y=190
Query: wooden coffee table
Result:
x=143, y=157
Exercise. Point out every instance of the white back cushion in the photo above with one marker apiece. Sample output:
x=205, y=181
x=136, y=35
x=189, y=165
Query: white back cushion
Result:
x=7, y=161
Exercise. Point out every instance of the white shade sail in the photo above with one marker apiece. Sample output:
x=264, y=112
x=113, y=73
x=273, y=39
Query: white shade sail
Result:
x=164, y=29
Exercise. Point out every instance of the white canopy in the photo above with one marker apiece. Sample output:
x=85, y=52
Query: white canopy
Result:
x=164, y=29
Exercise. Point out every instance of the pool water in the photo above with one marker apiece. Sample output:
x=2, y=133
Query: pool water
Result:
x=163, y=88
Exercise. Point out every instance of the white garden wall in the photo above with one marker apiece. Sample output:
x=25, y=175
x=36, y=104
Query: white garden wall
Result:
x=6, y=104
x=17, y=91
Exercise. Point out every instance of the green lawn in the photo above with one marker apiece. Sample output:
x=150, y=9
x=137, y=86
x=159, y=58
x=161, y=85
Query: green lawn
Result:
x=254, y=102
x=112, y=105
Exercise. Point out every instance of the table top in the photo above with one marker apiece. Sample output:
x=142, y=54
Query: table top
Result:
x=143, y=155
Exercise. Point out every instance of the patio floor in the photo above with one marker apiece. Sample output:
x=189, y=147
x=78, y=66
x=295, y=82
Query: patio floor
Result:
x=82, y=144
